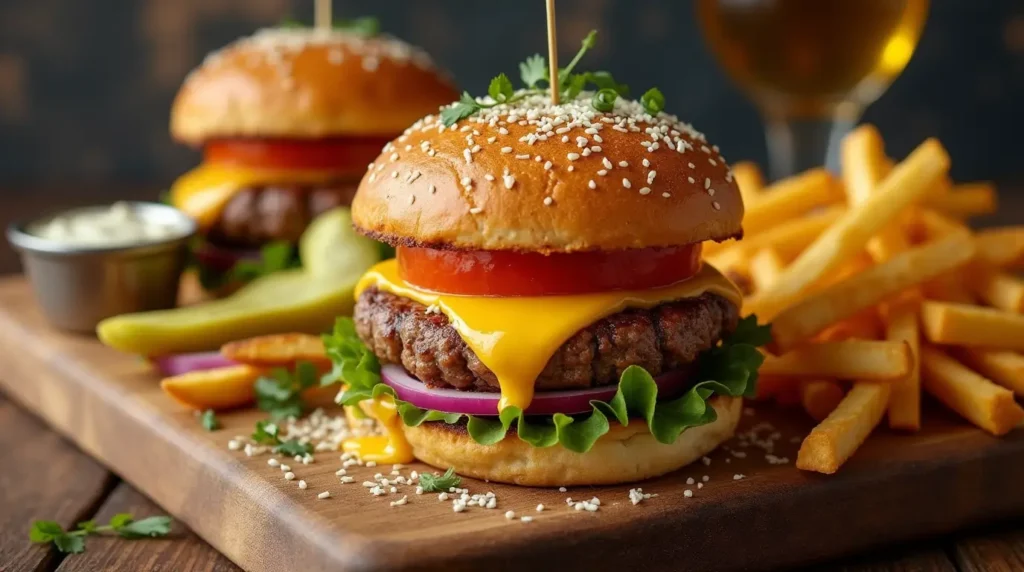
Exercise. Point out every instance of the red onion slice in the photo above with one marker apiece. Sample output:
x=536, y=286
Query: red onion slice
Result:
x=411, y=390
x=184, y=363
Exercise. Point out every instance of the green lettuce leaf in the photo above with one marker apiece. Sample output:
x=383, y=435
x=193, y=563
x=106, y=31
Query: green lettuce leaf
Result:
x=727, y=369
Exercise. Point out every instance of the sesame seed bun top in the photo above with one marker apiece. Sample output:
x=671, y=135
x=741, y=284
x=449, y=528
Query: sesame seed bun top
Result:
x=308, y=83
x=539, y=177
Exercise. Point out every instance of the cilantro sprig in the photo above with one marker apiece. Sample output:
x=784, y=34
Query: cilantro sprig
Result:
x=534, y=74
x=280, y=393
x=267, y=433
x=431, y=483
x=122, y=524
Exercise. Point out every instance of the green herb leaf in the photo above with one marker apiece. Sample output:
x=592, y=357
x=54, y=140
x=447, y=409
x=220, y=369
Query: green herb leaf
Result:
x=565, y=73
x=653, y=101
x=209, y=420
x=604, y=80
x=573, y=85
x=280, y=393
x=88, y=526
x=459, y=110
x=266, y=433
x=501, y=89
x=728, y=369
x=533, y=71
x=433, y=483
x=69, y=544
x=290, y=23
x=151, y=527
x=364, y=26
x=120, y=520
x=293, y=447
x=45, y=530
x=604, y=100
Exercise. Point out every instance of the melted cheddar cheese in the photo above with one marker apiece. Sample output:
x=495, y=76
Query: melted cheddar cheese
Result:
x=203, y=192
x=516, y=336
x=389, y=448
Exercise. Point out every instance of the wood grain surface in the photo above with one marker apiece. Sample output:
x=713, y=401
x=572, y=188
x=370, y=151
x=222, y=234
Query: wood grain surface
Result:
x=897, y=488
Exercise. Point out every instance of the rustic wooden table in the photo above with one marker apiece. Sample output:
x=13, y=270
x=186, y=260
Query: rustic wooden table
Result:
x=46, y=477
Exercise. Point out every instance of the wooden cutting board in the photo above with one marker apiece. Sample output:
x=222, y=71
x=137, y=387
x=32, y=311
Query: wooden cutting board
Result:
x=898, y=487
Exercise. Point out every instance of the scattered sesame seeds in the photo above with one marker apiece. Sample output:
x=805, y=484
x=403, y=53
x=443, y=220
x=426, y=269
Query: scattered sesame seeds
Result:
x=273, y=462
x=371, y=63
x=346, y=480
x=509, y=515
x=688, y=493
x=713, y=163
x=234, y=445
x=540, y=508
x=476, y=210
x=626, y=183
x=468, y=155
x=489, y=177
x=289, y=476
x=706, y=460
x=285, y=468
x=573, y=156
x=711, y=192
x=707, y=182
x=561, y=489
x=738, y=477
x=401, y=501
x=466, y=181
x=636, y=496
x=412, y=199
x=607, y=164
x=650, y=177
x=691, y=165
x=506, y=150
x=570, y=168
x=690, y=180
x=526, y=519
x=717, y=207
x=705, y=478
x=548, y=201
x=646, y=163
x=324, y=495
x=509, y=181
x=525, y=156
x=547, y=166
x=623, y=164
x=592, y=184
x=690, y=481
x=394, y=174
x=602, y=173
x=302, y=485
x=371, y=464
x=432, y=189
x=666, y=195
x=645, y=191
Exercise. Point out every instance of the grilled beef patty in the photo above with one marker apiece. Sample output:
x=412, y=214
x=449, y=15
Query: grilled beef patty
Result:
x=257, y=215
x=668, y=337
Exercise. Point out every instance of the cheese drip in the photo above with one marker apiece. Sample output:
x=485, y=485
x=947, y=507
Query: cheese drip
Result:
x=203, y=192
x=516, y=336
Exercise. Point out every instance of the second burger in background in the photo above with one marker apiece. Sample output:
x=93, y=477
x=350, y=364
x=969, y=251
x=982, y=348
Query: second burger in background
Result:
x=288, y=119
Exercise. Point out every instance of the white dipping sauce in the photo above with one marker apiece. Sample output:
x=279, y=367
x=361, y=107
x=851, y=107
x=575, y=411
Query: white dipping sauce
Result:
x=118, y=225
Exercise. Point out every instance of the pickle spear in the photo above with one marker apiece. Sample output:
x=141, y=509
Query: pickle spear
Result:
x=306, y=300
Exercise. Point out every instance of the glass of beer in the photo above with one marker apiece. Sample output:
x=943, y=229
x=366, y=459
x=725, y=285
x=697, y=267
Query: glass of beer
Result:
x=811, y=66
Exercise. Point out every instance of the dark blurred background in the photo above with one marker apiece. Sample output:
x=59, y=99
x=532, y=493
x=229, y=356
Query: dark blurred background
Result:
x=85, y=87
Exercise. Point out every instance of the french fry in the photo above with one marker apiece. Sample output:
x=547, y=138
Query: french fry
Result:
x=749, y=180
x=966, y=200
x=1003, y=367
x=864, y=325
x=948, y=288
x=1002, y=247
x=789, y=238
x=819, y=310
x=765, y=267
x=835, y=439
x=997, y=289
x=906, y=184
x=933, y=225
x=972, y=326
x=905, y=400
x=280, y=350
x=217, y=389
x=975, y=398
x=865, y=360
x=728, y=259
x=820, y=398
x=863, y=162
x=790, y=198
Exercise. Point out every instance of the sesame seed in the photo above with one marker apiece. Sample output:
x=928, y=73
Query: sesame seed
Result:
x=419, y=490
x=592, y=184
x=700, y=486
x=706, y=460
x=394, y=157
x=289, y=476
x=565, y=138
x=623, y=164
x=646, y=163
x=285, y=468
x=466, y=181
x=713, y=163
x=573, y=156
x=666, y=195
x=691, y=180
x=509, y=181
x=582, y=142
x=234, y=445
x=705, y=149
x=548, y=201
x=738, y=477
x=688, y=493
x=540, y=508
x=394, y=174
x=414, y=175
x=602, y=172
x=705, y=478
x=718, y=207
x=690, y=481
x=645, y=191
x=527, y=519
x=458, y=507
x=489, y=177
x=650, y=177
x=711, y=192
x=596, y=148
x=523, y=156
x=570, y=168
x=691, y=165
x=442, y=497
x=506, y=150
x=468, y=155
x=346, y=480
x=707, y=183
x=432, y=188
x=586, y=152
x=273, y=462
x=626, y=183
x=400, y=501
x=302, y=485
x=561, y=489
x=503, y=131
x=412, y=200
x=509, y=515
x=324, y=495
x=476, y=210
x=547, y=166
x=598, y=138
x=491, y=139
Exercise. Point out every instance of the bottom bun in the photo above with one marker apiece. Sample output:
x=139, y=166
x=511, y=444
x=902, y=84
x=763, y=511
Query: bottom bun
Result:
x=624, y=454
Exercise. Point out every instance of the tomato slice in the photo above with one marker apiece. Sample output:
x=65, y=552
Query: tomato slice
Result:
x=344, y=154
x=507, y=273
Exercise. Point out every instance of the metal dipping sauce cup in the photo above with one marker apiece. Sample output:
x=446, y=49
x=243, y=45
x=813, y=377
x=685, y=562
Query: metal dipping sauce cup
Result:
x=79, y=286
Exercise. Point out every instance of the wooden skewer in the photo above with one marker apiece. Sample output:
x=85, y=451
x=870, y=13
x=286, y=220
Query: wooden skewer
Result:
x=322, y=15
x=552, y=52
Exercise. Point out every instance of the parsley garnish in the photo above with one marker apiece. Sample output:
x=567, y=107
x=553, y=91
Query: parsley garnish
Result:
x=209, y=420
x=123, y=525
x=433, y=483
x=280, y=393
x=266, y=433
x=534, y=74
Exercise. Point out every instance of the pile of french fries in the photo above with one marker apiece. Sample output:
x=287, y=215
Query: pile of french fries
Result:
x=876, y=291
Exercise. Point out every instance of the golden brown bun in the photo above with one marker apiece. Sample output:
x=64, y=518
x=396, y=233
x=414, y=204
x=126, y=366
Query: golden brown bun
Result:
x=624, y=454
x=423, y=189
x=304, y=83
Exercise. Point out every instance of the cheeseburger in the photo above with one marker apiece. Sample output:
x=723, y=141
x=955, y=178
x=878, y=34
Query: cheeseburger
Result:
x=548, y=319
x=287, y=119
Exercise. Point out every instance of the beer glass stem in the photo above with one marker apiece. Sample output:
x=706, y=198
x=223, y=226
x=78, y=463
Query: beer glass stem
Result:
x=796, y=144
